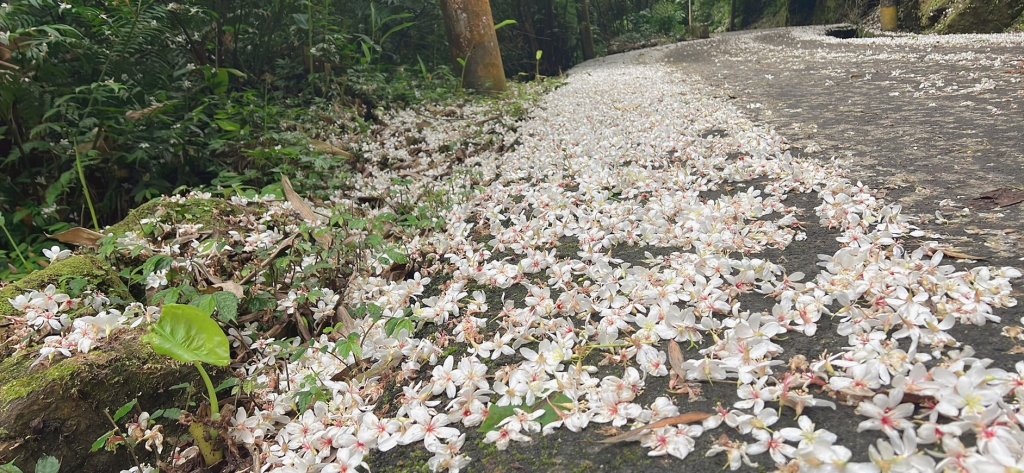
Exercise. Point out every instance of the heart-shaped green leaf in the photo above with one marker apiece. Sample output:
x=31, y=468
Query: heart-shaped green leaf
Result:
x=187, y=334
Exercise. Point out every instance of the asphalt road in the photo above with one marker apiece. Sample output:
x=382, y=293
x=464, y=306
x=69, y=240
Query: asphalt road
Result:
x=929, y=122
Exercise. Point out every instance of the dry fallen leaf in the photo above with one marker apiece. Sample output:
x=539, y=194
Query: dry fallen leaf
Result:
x=675, y=360
x=303, y=208
x=327, y=148
x=342, y=316
x=994, y=199
x=78, y=236
x=635, y=434
x=232, y=287
x=298, y=203
x=955, y=253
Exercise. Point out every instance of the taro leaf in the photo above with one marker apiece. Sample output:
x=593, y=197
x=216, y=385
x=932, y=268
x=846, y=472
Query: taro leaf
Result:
x=188, y=335
x=48, y=464
x=497, y=414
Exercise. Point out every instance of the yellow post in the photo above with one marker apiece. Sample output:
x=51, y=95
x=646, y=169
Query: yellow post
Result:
x=888, y=16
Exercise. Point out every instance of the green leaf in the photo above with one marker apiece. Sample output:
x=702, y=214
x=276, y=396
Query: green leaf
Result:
x=48, y=464
x=188, y=335
x=504, y=24
x=168, y=413
x=228, y=383
x=99, y=443
x=10, y=468
x=205, y=303
x=539, y=54
x=227, y=306
x=125, y=409
x=228, y=125
x=499, y=413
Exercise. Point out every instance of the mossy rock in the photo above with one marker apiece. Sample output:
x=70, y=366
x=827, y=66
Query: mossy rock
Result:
x=59, y=410
x=1018, y=24
x=97, y=273
x=214, y=214
x=979, y=16
x=932, y=11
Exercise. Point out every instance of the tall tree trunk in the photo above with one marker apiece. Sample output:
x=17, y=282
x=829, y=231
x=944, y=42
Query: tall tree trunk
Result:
x=474, y=43
x=586, y=34
x=732, y=15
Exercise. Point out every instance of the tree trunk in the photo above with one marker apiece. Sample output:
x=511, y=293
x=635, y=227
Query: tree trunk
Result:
x=586, y=34
x=474, y=44
x=732, y=15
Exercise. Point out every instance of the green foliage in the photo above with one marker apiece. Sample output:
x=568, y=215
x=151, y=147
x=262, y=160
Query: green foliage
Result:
x=45, y=464
x=552, y=405
x=188, y=334
x=225, y=304
x=109, y=104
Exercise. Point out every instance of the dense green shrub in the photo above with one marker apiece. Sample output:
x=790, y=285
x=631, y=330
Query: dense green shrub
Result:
x=106, y=104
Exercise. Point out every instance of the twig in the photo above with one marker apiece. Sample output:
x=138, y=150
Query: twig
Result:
x=274, y=254
x=117, y=430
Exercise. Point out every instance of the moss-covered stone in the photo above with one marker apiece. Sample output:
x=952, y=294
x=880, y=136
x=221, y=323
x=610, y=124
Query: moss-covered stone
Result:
x=1018, y=24
x=213, y=214
x=932, y=11
x=26, y=383
x=97, y=273
x=59, y=409
x=978, y=16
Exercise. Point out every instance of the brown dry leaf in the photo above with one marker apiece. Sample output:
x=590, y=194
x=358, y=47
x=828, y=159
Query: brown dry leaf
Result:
x=675, y=359
x=996, y=198
x=327, y=148
x=233, y=287
x=382, y=366
x=955, y=253
x=351, y=371
x=636, y=434
x=342, y=316
x=298, y=203
x=303, y=208
x=78, y=236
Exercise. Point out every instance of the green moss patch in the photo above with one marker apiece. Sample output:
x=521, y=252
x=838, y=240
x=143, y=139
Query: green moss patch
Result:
x=213, y=214
x=97, y=273
x=59, y=409
x=979, y=16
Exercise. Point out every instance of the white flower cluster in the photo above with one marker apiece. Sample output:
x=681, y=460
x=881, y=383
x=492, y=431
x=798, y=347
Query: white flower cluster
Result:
x=614, y=163
x=49, y=312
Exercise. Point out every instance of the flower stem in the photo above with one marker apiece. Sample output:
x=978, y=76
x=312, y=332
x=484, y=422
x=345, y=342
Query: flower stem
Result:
x=214, y=404
x=85, y=189
x=14, y=244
